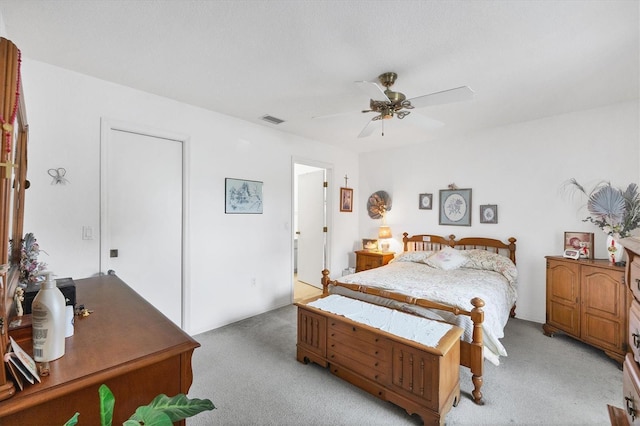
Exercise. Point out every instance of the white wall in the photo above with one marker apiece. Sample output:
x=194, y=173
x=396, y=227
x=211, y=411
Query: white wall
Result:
x=226, y=251
x=521, y=168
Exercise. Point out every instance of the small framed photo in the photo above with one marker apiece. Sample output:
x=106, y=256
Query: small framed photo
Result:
x=346, y=199
x=425, y=201
x=455, y=207
x=582, y=242
x=369, y=245
x=489, y=213
x=243, y=196
x=571, y=254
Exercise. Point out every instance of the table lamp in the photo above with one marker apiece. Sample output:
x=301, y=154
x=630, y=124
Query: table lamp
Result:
x=384, y=233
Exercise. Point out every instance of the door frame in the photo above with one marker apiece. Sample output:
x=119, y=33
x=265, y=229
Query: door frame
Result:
x=328, y=216
x=107, y=126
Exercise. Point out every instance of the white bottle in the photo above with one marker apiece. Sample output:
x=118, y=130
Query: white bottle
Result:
x=48, y=316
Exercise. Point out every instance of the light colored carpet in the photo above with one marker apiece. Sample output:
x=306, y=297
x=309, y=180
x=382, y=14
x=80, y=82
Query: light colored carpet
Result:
x=249, y=371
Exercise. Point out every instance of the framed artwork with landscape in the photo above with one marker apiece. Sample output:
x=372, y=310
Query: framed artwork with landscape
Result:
x=581, y=242
x=242, y=196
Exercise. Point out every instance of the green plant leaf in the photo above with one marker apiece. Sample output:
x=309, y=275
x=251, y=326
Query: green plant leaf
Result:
x=73, y=421
x=107, y=403
x=149, y=416
x=176, y=408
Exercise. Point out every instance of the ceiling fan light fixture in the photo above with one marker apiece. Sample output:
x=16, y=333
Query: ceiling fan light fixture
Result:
x=386, y=103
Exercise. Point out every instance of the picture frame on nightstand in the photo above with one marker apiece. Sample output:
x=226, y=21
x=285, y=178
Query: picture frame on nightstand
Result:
x=369, y=245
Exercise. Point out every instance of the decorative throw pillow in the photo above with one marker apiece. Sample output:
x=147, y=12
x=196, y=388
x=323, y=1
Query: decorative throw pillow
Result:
x=413, y=256
x=447, y=259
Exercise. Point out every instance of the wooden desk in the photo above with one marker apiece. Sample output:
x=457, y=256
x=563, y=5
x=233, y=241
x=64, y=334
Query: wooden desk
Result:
x=125, y=343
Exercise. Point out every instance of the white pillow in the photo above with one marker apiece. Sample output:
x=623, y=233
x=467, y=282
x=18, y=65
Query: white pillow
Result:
x=447, y=259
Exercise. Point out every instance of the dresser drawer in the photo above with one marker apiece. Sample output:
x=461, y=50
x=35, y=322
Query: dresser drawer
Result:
x=366, y=366
x=630, y=392
x=366, y=262
x=358, y=349
x=347, y=343
x=634, y=277
x=354, y=332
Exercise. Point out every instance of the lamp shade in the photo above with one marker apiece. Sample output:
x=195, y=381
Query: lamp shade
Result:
x=384, y=232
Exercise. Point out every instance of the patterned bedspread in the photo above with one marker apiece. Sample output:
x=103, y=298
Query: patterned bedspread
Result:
x=486, y=275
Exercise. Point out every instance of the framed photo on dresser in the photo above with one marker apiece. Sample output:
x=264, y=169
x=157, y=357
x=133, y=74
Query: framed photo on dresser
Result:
x=580, y=241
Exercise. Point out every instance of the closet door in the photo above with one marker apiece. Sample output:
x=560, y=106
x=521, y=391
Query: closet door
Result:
x=143, y=212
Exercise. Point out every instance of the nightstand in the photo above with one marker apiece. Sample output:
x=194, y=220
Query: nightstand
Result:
x=371, y=259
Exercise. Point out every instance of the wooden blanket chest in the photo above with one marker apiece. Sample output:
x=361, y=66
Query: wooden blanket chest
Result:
x=422, y=379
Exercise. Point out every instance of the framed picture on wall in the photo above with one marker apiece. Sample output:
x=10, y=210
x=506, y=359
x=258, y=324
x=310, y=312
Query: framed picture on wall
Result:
x=580, y=241
x=455, y=207
x=425, y=201
x=489, y=213
x=242, y=196
x=346, y=199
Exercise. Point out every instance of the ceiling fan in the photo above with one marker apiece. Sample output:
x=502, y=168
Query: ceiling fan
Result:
x=387, y=103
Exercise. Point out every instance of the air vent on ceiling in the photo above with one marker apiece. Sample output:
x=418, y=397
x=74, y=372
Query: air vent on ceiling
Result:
x=271, y=119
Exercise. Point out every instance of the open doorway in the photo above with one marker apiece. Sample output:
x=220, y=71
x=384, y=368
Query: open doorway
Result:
x=310, y=239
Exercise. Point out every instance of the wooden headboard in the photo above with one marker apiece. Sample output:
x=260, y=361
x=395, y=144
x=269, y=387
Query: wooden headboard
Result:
x=425, y=242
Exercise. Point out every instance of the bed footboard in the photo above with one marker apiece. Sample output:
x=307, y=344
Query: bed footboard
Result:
x=471, y=353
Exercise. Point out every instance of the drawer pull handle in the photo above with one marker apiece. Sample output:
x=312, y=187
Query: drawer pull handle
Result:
x=638, y=283
x=375, y=365
x=354, y=329
x=630, y=410
x=636, y=340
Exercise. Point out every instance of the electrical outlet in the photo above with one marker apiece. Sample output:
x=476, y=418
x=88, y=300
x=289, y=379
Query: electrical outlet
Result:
x=253, y=282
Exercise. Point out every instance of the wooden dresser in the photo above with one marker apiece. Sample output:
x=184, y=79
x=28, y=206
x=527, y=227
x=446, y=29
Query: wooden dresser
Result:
x=421, y=379
x=372, y=259
x=125, y=343
x=587, y=300
x=630, y=401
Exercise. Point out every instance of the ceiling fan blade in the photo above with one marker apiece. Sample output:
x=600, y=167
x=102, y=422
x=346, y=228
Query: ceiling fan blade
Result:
x=458, y=94
x=368, y=129
x=372, y=90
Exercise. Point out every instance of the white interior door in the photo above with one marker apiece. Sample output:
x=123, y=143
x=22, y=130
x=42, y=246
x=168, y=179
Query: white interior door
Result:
x=143, y=227
x=311, y=235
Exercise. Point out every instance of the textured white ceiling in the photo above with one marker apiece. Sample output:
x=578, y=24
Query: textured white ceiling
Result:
x=299, y=59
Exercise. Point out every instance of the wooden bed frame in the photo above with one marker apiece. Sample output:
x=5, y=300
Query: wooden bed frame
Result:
x=471, y=355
